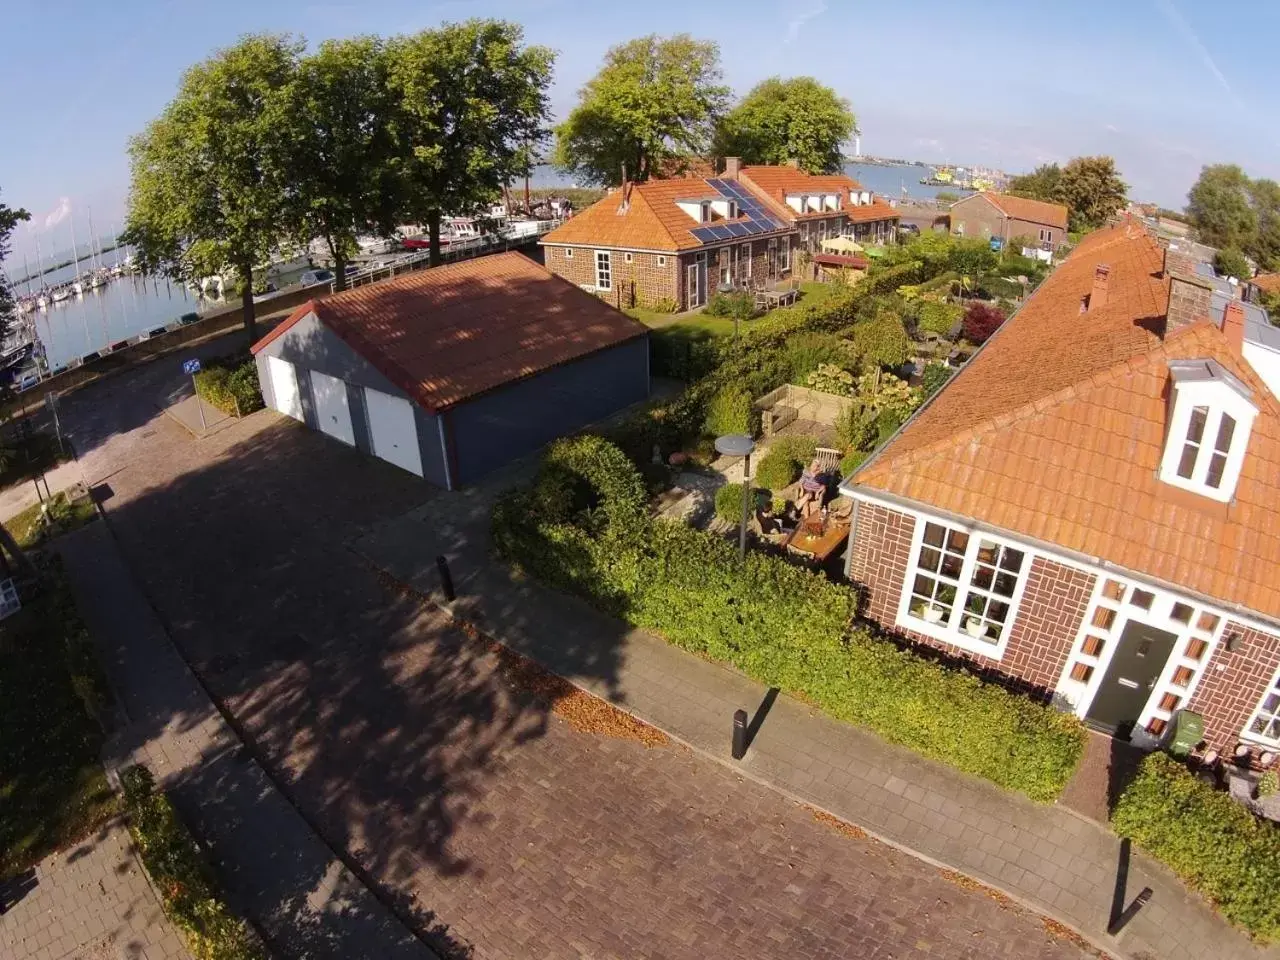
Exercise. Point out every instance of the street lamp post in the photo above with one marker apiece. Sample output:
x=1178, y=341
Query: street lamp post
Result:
x=740, y=445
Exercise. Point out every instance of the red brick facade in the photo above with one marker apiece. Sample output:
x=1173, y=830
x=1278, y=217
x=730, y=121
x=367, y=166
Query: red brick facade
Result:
x=1234, y=682
x=1053, y=606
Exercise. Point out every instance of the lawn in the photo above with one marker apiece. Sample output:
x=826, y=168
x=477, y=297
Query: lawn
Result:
x=24, y=528
x=52, y=787
x=689, y=327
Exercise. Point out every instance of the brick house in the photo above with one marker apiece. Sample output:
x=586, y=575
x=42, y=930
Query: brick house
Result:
x=820, y=206
x=986, y=215
x=671, y=240
x=1089, y=509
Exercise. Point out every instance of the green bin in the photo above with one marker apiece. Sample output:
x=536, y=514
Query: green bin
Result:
x=1186, y=729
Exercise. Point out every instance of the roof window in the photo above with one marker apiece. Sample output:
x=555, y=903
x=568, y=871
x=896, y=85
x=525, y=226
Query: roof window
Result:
x=1211, y=416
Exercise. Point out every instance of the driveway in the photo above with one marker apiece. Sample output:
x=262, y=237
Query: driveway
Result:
x=441, y=769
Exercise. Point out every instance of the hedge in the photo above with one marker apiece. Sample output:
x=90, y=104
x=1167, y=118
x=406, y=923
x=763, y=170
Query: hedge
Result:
x=231, y=385
x=778, y=623
x=1211, y=841
x=187, y=889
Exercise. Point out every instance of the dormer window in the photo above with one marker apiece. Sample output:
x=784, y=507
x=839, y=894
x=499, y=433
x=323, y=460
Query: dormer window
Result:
x=1211, y=415
x=706, y=212
x=733, y=209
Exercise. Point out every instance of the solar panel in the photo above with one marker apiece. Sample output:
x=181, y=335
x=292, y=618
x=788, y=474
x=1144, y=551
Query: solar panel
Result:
x=704, y=233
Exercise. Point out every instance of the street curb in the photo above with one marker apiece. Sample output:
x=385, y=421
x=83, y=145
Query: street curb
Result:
x=455, y=611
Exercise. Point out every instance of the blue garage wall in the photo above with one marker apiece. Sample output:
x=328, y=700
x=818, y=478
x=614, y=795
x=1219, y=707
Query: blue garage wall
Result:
x=497, y=427
x=309, y=345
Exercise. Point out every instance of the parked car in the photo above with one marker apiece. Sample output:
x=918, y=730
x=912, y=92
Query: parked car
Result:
x=312, y=277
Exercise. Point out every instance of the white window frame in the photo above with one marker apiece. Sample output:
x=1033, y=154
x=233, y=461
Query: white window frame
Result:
x=704, y=211
x=784, y=262
x=606, y=272
x=627, y=257
x=1046, y=235
x=1078, y=695
x=1219, y=398
x=953, y=633
x=744, y=253
x=1273, y=690
x=662, y=261
x=733, y=209
x=568, y=253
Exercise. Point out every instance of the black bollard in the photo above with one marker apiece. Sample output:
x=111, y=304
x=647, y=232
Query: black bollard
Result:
x=446, y=578
x=739, y=734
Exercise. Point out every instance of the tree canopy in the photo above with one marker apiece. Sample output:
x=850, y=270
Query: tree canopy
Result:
x=1230, y=210
x=797, y=119
x=1230, y=262
x=340, y=164
x=208, y=178
x=653, y=106
x=1089, y=187
x=470, y=107
x=9, y=220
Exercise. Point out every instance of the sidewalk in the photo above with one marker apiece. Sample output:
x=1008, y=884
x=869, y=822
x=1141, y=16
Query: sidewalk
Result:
x=275, y=868
x=17, y=498
x=91, y=902
x=1052, y=860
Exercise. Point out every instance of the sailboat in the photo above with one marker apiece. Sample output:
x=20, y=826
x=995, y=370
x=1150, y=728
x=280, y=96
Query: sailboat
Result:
x=76, y=284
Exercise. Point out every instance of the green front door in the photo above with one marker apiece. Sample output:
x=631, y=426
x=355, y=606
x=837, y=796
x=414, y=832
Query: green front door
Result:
x=1140, y=656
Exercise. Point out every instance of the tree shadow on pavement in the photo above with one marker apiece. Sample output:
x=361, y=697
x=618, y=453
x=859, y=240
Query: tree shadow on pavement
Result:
x=384, y=723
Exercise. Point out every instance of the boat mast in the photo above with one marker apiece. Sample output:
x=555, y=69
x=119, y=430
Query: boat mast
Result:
x=75, y=250
x=94, y=265
x=26, y=268
x=39, y=259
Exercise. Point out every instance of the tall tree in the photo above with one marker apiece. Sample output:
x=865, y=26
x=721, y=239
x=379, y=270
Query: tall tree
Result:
x=208, y=185
x=1230, y=262
x=471, y=103
x=654, y=104
x=1043, y=183
x=1092, y=190
x=1264, y=196
x=9, y=220
x=797, y=119
x=340, y=162
x=1220, y=209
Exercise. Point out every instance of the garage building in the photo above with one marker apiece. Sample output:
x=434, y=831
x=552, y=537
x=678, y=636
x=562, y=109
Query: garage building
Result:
x=452, y=372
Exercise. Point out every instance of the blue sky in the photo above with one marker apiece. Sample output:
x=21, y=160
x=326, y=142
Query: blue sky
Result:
x=1163, y=85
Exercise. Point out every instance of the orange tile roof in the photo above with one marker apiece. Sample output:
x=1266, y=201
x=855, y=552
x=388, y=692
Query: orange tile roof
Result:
x=450, y=333
x=1267, y=282
x=1033, y=211
x=877, y=209
x=1055, y=430
x=773, y=183
x=652, y=220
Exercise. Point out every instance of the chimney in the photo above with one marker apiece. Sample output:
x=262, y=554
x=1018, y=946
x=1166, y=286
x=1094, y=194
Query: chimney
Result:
x=732, y=167
x=1101, y=280
x=1233, y=326
x=1190, y=299
x=1177, y=262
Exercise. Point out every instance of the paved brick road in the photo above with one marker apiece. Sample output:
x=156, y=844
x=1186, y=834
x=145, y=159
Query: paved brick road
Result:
x=395, y=733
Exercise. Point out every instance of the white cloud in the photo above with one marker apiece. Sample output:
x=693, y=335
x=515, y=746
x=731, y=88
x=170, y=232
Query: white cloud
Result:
x=800, y=19
x=58, y=214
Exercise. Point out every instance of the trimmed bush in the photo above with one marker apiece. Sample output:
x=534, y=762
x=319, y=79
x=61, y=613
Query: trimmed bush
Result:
x=787, y=627
x=934, y=378
x=187, y=889
x=729, y=412
x=778, y=469
x=1212, y=842
x=739, y=305
x=231, y=385
x=852, y=461
x=938, y=318
x=805, y=352
x=729, y=503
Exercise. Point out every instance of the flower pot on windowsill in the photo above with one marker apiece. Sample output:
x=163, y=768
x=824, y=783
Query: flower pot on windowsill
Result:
x=932, y=615
x=973, y=628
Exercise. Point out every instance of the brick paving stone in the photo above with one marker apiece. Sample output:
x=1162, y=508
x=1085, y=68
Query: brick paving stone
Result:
x=89, y=902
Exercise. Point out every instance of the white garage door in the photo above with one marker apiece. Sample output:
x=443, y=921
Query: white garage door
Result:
x=333, y=413
x=284, y=387
x=392, y=430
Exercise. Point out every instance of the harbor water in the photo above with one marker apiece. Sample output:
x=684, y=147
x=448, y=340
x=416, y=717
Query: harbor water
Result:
x=124, y=307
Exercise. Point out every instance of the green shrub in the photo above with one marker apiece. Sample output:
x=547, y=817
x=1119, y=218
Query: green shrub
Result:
x=187, y=889
x=852, y=461
x=665, y=305
x=831, y=379
x=787, y=627
x=856, y=429
x=729, y=412
x=1212, y=842
x=939, y=318
x=729, y=503
x=778, y=469
x=796, y=446
x=231, y=385
x=739, y=305
x=934, y=378
x=805, y=352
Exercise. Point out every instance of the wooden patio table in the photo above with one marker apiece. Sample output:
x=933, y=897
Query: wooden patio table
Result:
x=818, y=547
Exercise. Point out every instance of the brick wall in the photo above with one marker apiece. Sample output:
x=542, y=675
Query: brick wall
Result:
x=653, y=282
x=1233, y=683
x=1053, y=604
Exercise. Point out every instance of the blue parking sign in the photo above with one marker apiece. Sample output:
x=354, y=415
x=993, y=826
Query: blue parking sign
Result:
x=190, y=367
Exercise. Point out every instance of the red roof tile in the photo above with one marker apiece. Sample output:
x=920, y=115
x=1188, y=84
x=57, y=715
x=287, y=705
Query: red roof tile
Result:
x=450, y=333
x=1055, y=430
x=1267, y=282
